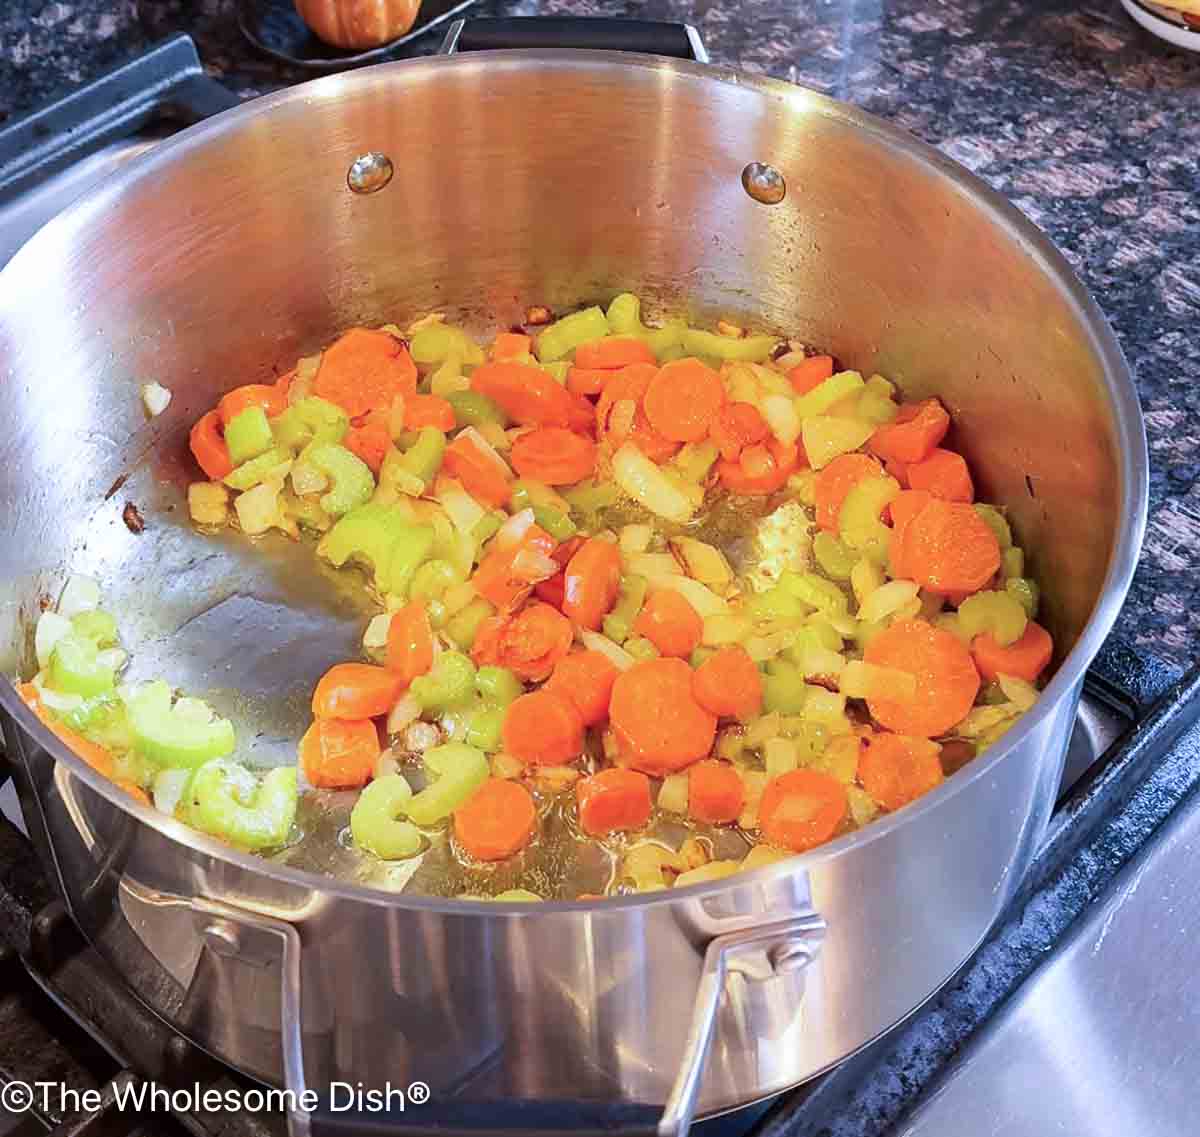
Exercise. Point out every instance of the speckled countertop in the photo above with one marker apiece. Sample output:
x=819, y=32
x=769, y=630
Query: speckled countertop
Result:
x=1072, y=111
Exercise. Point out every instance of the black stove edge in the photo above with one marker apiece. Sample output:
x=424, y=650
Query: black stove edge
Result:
x=1103, y=824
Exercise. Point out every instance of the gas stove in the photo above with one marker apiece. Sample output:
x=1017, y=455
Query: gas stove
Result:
x=1058, y=1023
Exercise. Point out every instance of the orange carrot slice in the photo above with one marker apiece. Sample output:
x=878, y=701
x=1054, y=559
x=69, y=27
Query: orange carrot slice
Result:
x=729, y=684
x=836, y=480
x=761, y=469
x=428, y=410
x=496, y=821
x=1025, y=659
x=356, y=691
x=716, y=793
x=612, y=352
x=480, y=474
x=271, y=399
x=370, y=442
x=527, y=394
x=737, y=426
x=591, y=583
x=810, y=374
x=912, y=435
x=683, y=399
x=948, y=548
x=530, y=644
x=896, y=769
x=410, y=642
x=543, y=728
x=365, y=370
x=659, y=726
x=553, y=455
x=613, y=800
x=670, y=623
x=943, y=474
x=801, y=809
x=208, y=446
x=586, y=678
x=339, y=754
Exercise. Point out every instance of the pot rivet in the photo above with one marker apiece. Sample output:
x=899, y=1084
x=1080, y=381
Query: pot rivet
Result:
x=223, y=938
x=789, y=957
x=370, y=172
x=764, y=183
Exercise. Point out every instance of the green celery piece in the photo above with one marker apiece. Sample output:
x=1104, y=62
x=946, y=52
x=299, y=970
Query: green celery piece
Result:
x=351, y=478
x=484, y=725
x=228, y=801
x=558, y=370
x=695, y=460
x=253, y=473
x=385, y=539
x=459, y=770
x=784, y=690
x=181, y=735
x=776, y=605
x=310, y=420
x=568, y=333
x=75, y=668
x=747, y=349
x=1026, y=591
x=424, y=458
x=248, y=435
x=96, y=625
x=102, y=719
x=464, y=625
x=641, y=648
x=473, y=409
x=450, y=683
x=700, y=655
x=618, y=624
x=831, y=391
x=590, y=497
x=555, y=522
x=486, y=528
x=815, y=591
x=432, y=579
x=438, y=341
x=997, y=523
x=835, y=559
x=497, y=685
x=625, y=319
x=377, y=821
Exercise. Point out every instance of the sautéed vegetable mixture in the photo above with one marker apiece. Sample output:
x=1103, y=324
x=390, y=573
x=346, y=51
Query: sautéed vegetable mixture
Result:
x=696, y=599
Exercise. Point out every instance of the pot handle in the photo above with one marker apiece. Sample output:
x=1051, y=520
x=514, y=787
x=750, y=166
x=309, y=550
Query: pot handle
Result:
x=648, y=37
x=757, y=953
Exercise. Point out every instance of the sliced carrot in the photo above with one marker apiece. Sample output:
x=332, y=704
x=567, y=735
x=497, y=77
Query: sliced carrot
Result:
x=810, y=374
x=410, y=642
x=728, y=684
x=591, y=583
x=527, y=394
x=627, y=384
x=587, y=380
x=1025, y=659
x=650, y=442
x=553, y=455
x=761, y=469
x=612, y=353
x=496, y=821
x=511, y=345
x=339, y=754
x=836, y=480
x=801, y=809
x=553, y=591
x=948, y=548
x=241, y=399
x=737, y=426
x=543, y=728
x=903, y=508
x=683, y=399
x=947, y=681
x=529, y=643
x=896, y=768
x=716, y=793
x=670, y=623
x=356, y=691
x=899, y=471
x=428, y=410
x=479, y=473
x=370, y=442
x=912, y=435
x=943, y=474
x=658, y=724
x=496, y=579
x=613, y=800
x=133, y=790
x=365, y=370
x=586, y=678
x=208, y=446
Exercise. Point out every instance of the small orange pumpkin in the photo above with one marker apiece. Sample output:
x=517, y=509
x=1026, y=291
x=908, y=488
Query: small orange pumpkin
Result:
x=358, y=23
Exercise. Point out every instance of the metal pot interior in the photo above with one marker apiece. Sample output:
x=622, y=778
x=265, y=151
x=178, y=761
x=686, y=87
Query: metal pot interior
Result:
x=556, y=178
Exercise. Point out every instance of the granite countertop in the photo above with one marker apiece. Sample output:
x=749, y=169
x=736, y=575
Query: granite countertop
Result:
x=1085, y=121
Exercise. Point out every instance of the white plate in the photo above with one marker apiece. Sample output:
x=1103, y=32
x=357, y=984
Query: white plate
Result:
x=1164, y=23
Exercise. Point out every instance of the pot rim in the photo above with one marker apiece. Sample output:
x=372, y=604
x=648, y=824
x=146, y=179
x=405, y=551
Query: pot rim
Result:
x=1133, y=466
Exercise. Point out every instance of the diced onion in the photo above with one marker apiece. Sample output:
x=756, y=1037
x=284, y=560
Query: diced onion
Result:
x=57, y=700
x=462, y=509
x=780, y=413
x=306, y=479
x=1021, y=692
x=113, y=657
x=376, y=634
x=168, y=789
x=471, y=435
x=723, y=628
x=406, y=710
x=51, y=627
x=652, y=565
x=617, y=655
x=532, y=566
x=80, y=594
x=302, y=382
x=636, y=539
x=155, y=398
x=646, y=483
x=780, y=756
x=673, y=795
x=699, y=596
x=886, y=599
x=509, y=535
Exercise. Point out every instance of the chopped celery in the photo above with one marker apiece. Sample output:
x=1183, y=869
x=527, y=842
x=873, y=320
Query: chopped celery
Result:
x=473, y=409
x=449, y=379
x=96, y=625
x=458, y=770
x=703, y=562
x=997, y=523
x=436, y=342
x=497, y=685
x=310, y=420
x=451, y=682
x=815, y=591
x=875, y=408
x=486, y=527
x=588, y=497
x=484, y=724
x=641, y=648
x=351, y=478
x=228, y=801
x=618, y=624
x=432, y=579
x=377, y=821
x=784, y=690
x=305, y=511
x=463, y=626
x=568, y=333
x=694, y=461
x=776, y=605
x=257, y=470
x=259, y=509
x=1026, y=591
x=1013, y=562
x=102, y=718
x=747, y=349
x=248, y=435
x=186, y=734
x=77, y=669
x=835, y=559
x=625, y=319
x=51, y=627
x=833, y=390
x=381, y=536
x=557, y=370
x=700, y=655
x=555, y=522
x=1000, y=614
x=827, y=436
x=424, y=458
x=859, y=524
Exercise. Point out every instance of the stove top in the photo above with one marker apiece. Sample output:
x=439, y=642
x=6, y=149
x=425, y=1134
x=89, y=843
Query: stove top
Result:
x=1078, y=992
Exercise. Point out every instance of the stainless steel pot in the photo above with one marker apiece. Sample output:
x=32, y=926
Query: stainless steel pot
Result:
x=557, y=177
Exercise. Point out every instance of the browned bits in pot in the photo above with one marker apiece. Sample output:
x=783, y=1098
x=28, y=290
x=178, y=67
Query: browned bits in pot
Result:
x=538, y=314
x=132, y=516
x=956, y=753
